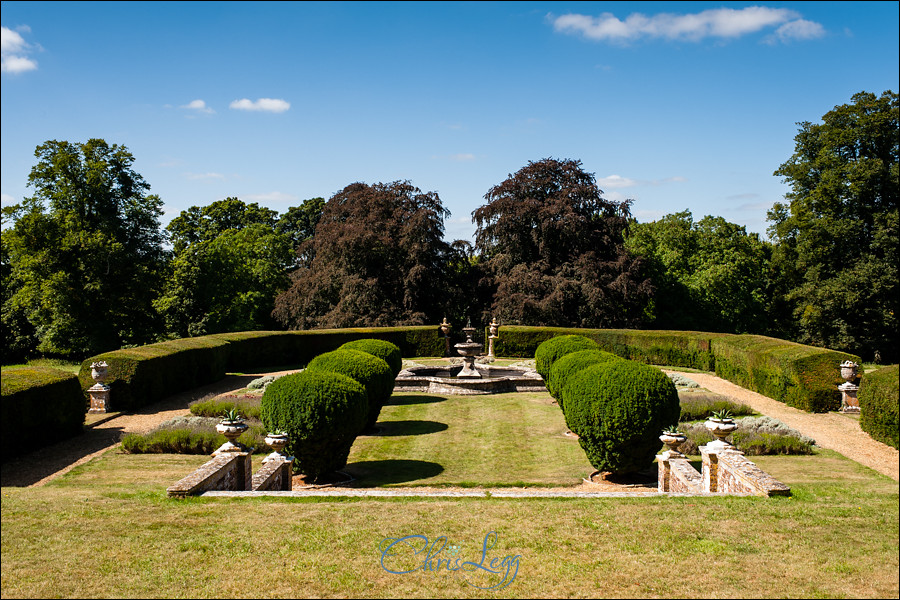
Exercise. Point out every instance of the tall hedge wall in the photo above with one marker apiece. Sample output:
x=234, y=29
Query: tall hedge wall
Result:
x=140, y=376
x=879, y=404
x=40, y=406
x=805, y=377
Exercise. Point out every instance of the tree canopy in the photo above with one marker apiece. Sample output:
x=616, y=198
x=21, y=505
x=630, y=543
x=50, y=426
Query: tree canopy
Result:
x=837, y=233
x=85, y=253
x=709, y=275
x=553, y=249
x=230, y=263
x=377, y=258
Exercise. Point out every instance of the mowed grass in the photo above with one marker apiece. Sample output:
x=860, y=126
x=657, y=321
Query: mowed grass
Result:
x=490, y=440
x=107, y=529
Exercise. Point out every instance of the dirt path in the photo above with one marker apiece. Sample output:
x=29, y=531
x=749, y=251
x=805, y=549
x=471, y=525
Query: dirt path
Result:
x=45, y=464
x=834, y=431
x=830, y=430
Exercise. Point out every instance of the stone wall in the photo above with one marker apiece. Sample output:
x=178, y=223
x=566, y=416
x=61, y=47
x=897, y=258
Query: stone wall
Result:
x=730, y=472
x=225, y=471
x=274, y=475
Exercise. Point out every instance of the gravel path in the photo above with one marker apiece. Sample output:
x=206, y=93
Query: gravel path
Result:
x=834, y=431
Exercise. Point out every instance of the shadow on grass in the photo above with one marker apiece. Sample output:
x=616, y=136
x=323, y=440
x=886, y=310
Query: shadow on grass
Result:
x=375, y=473
x=405, y=399
x=393, y=428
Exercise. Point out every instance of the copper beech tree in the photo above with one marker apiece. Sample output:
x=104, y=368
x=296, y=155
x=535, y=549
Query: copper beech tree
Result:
x=377, y=258
x=552, y=248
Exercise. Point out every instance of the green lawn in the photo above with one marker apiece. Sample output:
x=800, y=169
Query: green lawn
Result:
x=107, y=529
x=502, y=439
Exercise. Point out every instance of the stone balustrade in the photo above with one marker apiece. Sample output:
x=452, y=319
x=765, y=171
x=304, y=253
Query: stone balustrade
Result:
x=724, y=471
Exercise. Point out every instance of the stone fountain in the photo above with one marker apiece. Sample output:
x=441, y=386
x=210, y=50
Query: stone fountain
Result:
x=469, y=350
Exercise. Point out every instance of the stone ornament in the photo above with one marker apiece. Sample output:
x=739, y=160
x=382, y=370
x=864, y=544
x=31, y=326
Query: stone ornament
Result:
x=278, y=442
x=231, y=428
x=721, y=427
x=99, y=392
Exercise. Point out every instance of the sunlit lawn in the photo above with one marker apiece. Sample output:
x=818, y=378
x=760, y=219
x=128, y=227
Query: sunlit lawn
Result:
x=107, y=528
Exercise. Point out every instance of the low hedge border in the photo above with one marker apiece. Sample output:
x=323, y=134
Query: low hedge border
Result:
x=804, y=377
x=141, y=376
x=879, y=401
x=40, y=406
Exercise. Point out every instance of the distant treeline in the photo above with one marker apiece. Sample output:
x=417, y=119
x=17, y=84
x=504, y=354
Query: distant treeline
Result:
x=87, y=267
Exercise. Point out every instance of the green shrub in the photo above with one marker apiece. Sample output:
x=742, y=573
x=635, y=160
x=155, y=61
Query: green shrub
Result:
x=878, y=405
x=554, y=348
x=384, y=350
x=322, y=412
x=373, y=373
x=568, y=365
x=618, y=410
x=215, y=407
x=696, y=406
x=40, y=406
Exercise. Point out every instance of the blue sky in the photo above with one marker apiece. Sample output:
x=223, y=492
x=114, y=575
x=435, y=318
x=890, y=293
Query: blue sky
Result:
x=677, y=105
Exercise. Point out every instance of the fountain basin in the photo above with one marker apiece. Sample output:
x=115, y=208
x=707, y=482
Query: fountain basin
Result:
x=445, y=380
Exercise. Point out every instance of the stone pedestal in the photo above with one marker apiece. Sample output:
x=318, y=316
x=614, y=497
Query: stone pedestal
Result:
x=99, y=395
x=849, y=401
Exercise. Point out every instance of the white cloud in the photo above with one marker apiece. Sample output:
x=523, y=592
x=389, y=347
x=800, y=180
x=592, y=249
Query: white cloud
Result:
x=717, y=23
x=800, y=29
x=274, y=105
x=463, y=157
x=615, y=182
x=199, y=106
x=7, y=200
x=14, y=52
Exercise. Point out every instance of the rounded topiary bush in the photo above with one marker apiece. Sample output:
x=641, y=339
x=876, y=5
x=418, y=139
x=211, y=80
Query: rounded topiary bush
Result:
x=566, y=366
x=618, y=409
x=322, y=412
x=372, y=372
x=384, y=350
x=554, y=348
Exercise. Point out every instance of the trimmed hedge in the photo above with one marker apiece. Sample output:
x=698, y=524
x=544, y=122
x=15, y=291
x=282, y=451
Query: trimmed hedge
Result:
x=322, y=412
x=879, y=398
x=40, y=406
x=804, y=377
x=372, y=372
x=555, y=348
x=384, y=350
x=618, y=409
x=801, y=376
x=682, y=348
x=569, y=365
x=140, y=376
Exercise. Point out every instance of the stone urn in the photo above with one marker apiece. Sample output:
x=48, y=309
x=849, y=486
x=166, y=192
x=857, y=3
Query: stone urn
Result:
x=673, y=439
x=721, y=427
x=231, y=426
x=849, y=370
x=277, y=441
x=99, y=370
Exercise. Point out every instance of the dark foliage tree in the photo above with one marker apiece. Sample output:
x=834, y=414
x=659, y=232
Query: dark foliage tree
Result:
x=553, y=250
x=837, y=232
x=84, y=257
x=229, y=265
x=709, y=275
x=377, y=259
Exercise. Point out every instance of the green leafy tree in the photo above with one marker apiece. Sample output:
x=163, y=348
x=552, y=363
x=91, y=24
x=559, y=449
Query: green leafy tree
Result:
x=553, y=248
x=837, y=232
x=299, y=222
x=229, y=265
x=377, y=258
x=84, y=256
x=710, y=275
